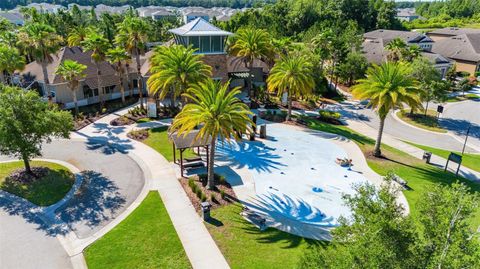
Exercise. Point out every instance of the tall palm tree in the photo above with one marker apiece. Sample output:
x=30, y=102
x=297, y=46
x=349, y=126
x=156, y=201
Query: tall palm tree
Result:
x=387, y=86
x=72, y=71
x=292, y=75
x=250, y=44
x=40, y=41
x=98, y=45
x=132, y=34
x=218, y=111
x=396, y=49
x=118, y=57
x=323, y=46
x=78, y=35
x=10, y=60
x=174, y=69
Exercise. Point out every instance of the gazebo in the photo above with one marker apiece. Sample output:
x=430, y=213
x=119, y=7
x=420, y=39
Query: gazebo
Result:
x=189, y=141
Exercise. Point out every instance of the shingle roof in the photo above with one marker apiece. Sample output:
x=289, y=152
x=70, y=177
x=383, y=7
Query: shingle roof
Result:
x=11, y=16
x=199, y=27
x=453, y=31
x=34, y=69
x=389, y=35
x=190, y=140
x=464, y=47
x=375, y=52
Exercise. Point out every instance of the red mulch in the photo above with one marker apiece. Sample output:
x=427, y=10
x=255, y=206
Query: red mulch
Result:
x=230, y=196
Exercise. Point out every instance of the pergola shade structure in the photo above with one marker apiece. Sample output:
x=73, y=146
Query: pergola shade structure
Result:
x=183, y=142
x=201, y=35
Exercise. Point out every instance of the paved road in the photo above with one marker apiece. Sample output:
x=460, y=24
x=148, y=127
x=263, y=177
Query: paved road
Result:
x=403, y=131
x=457, y=117
x=114, y=181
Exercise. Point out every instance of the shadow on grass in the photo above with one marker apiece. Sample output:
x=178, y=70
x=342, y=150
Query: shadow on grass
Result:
x=215, y=222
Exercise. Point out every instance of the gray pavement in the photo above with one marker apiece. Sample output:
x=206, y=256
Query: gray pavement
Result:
x=23, y=245
x=403, y=131
x=457, y=117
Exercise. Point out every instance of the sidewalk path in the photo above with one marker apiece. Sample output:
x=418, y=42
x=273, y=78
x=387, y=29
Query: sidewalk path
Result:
x=160, y=176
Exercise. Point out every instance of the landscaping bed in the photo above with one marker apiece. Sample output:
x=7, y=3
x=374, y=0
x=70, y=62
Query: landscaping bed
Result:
x=49, y=185
x=135, y=114
x=195, y=188
x=145, y=239
x=428, y=122
x=274, y=116
x=139, y=135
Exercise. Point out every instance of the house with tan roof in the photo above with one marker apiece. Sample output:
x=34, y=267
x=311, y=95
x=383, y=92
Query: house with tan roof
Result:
x=88, y=91
x=464, y=49
x=373, y=47
x=439, y=34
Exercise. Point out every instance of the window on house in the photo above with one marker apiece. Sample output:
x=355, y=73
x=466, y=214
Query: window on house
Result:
x=89, y=93
x=216, y=44
x=205, y=44
x=109, y=89
x=195, y=42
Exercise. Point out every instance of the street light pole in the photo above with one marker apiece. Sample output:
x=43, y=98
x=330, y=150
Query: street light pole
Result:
x=466, y=137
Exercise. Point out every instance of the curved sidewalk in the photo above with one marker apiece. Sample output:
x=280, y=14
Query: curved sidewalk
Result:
x=196, y=240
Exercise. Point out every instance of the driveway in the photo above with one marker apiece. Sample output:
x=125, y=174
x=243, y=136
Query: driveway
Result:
x=403, y=131
x=114, y=181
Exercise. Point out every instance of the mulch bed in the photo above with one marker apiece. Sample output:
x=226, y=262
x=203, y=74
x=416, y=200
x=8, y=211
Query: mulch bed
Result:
x=138, y=135
x=329, y=120
x=122, y=121
x=21, y=175
x=81, y=122
x=229, y=196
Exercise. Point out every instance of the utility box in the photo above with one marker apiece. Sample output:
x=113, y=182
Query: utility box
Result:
x=263, y=131
x=205, y=210
x=427, y=156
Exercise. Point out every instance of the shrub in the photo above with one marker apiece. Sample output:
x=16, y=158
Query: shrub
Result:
x=463, y=74
x=213, y=198
x=203, y=197
x=222, y=194
x=199, y=193
x=191, y=183
x=326, y=114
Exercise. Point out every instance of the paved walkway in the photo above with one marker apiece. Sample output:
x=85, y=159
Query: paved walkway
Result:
x=160, y=176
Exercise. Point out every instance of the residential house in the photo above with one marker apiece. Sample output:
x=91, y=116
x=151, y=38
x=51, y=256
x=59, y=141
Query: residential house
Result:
x=464, y=49
x=439, y=34
x=13, y=17
x=407, y=14
x=87, y=93
x=42, y=7
x=191, y=16
x=374, y=50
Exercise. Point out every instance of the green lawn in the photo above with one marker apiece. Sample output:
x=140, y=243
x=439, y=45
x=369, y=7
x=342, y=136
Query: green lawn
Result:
x=420, y=176
x=428, y=122
x=44, y=191
x=145, y=239
x=245, y=246
x=471, y=161
x=468, y=96
x=158, y=140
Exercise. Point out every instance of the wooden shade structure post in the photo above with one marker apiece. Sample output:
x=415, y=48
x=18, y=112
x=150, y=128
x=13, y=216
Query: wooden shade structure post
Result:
x=189, y=141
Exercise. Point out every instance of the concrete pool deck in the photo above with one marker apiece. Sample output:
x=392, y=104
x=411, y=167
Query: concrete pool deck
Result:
x=275, y=183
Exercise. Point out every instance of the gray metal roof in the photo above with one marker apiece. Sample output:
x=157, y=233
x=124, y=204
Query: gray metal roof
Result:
x=199, y=27
x=190, y=140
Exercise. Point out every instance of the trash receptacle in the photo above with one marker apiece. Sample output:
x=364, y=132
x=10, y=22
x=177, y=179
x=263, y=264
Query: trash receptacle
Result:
x=427, y=156
x=252, y=136
x=205, y=210
x=263, y=131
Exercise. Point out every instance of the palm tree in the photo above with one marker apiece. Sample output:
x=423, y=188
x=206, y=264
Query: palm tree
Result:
x=250, y=44
x=396, y=50
x=387, y=86
x=78, y=35
x=118, y=58
x=98, y=45
x=40, y=42
x=132, y=34
x=323, y=46
x=174, y=69
x=292, y=75
x=218, y=111
x=10, y=60
x=72, y=71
